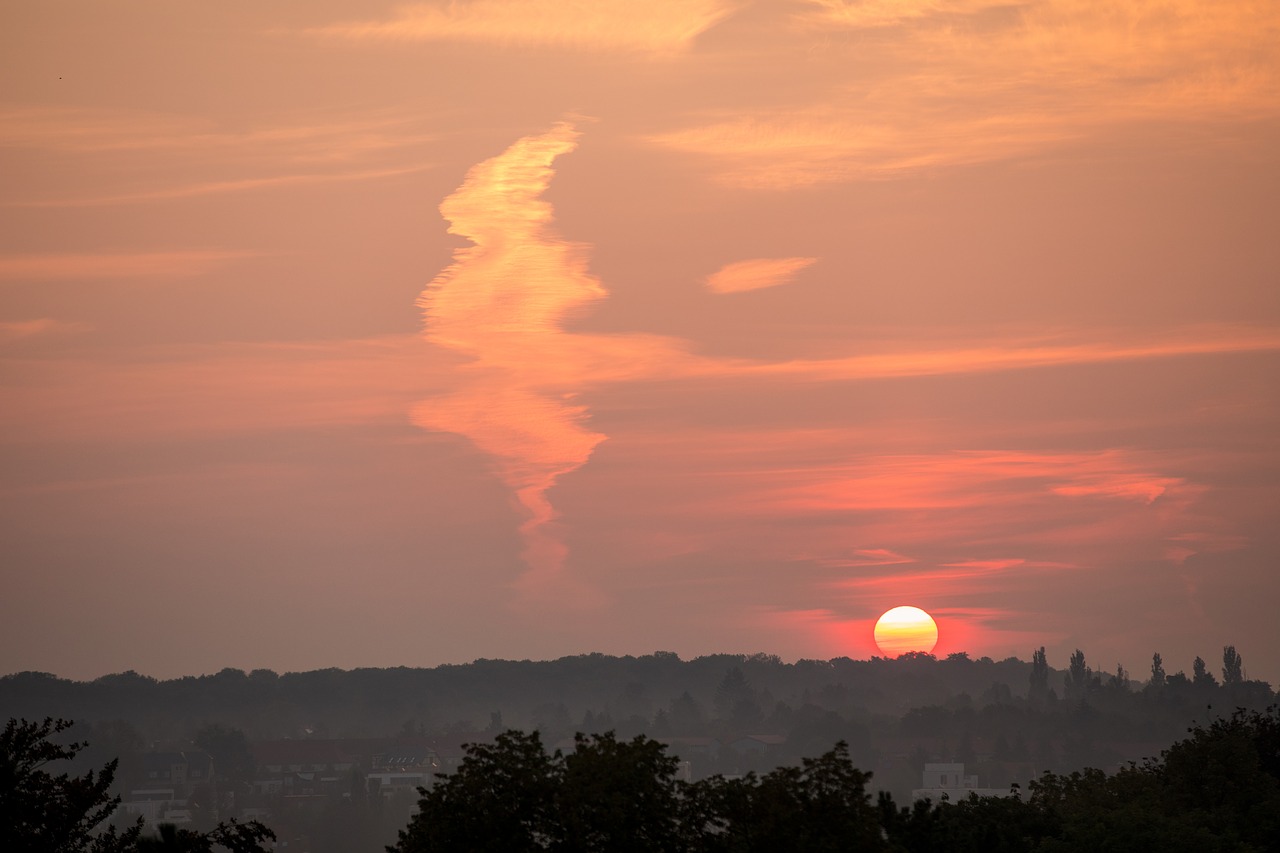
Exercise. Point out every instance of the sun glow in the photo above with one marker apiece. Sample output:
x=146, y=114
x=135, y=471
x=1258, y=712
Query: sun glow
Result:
x=906, y=629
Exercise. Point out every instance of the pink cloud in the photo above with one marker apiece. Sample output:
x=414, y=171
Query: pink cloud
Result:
x=661, y=27
x=756, y=274
x=502, y=303
x=19, y=330
x=109, y=265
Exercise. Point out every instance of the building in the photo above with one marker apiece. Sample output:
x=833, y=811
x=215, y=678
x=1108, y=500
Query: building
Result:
x=403, y=769
x=948, y=782
x=167, y=784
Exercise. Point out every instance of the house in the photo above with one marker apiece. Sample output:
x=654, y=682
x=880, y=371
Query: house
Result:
x=948, y=781
x=692, y=747
x=403, y=769
x=756, y=744
x=311, y=767
x=166, y=782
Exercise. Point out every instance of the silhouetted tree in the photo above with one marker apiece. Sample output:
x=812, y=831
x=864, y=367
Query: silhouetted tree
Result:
x=1079, y=676
x=686, y=716
x=108, y=740
x=229, y=749
x=499, y=800
x=42, y=813
x=1200, y=675
x=822, y=805
x=1232, y=666
x=1039, y=689
x=1218, y=790
x=236, y=837
x=735, y=701
x=980, y=825
x=1157, y=671
x=60, y=814
x=616, y=795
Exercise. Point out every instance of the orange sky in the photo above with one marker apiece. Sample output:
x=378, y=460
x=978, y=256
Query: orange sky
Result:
x=364, y=334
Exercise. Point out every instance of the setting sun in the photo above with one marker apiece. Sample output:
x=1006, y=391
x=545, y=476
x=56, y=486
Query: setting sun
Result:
x=906, y=629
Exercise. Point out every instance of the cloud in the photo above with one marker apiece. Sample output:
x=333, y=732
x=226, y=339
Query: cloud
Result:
x=656, y=27
x=1023, y=355
x=300, y=138
x=220, y=187
x=786, y=149
x=959, y=480
x=112, y=265
x=939, y=92
x=302, y=149
x=502, y=303
x=756, y=274
x=159, y=393
x=1184, y=546
x=860, y=14
x=863, y=557
x=883, y=521
x=19, y=330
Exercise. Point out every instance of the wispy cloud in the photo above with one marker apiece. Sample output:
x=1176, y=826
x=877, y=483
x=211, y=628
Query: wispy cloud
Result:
x=1183, y=546
x=756, y=274
x=865, y=557
x=502, y=302
x=1023, y=355
x=860, y=14
x=115, y=265
x=657, y=27
x=946, y=580
x=223, y=187
x=297, y=150
x=309, y=138
x=953, y=85
x=163, y=392
x=20, y=330
x=960, y=479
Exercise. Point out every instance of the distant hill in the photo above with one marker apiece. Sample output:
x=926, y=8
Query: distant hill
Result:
x=1005, y=718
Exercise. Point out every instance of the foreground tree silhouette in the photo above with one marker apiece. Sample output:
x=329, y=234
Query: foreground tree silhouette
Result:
x=624, y=797
x=1214, y=792
x=823, y=805
x=43, y=812
x=606, y=795
x=499, y=800
x=235, y=837
x=618, y=796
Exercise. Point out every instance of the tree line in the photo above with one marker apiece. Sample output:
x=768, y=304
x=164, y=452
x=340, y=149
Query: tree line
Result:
x=1008, y=720
x=1216, y=790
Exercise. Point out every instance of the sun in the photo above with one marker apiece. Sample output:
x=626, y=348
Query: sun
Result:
x=906, y=629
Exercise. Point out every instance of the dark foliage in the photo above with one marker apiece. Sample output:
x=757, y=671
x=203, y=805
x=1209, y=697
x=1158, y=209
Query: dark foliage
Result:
x=43, y=812
x=236, y=837
x=611, y=795
x=1218, y=790
x=499, y=800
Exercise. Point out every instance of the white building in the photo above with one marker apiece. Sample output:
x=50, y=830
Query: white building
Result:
x=948, y=782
